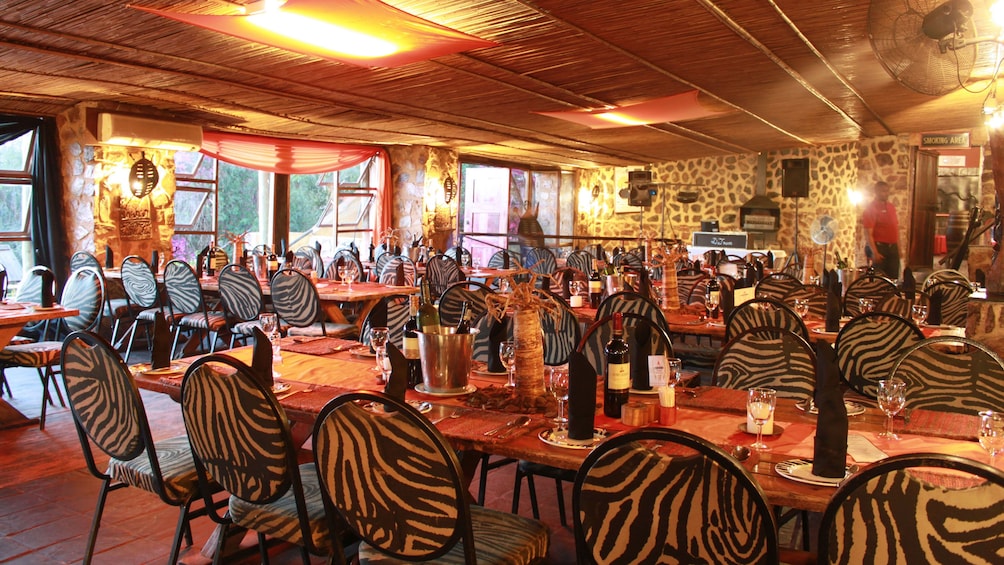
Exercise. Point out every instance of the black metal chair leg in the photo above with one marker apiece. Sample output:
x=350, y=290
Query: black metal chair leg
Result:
x=92, y=538
x=532, y=489
x=561, y=501
x=180, y=530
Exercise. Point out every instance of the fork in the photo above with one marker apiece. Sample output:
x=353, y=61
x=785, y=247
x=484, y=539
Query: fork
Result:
x=455, y=414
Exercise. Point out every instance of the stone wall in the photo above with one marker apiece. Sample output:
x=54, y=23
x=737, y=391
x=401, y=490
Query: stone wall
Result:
x=417, y=174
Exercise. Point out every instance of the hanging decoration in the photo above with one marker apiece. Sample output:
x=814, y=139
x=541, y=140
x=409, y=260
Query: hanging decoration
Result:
x=143, y=177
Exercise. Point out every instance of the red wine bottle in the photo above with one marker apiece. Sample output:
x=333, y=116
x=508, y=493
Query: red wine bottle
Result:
x=617, y=383
x=464, y=327
x=410, y=344
x=595, y=289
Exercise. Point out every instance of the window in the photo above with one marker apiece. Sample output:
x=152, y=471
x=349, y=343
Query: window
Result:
x=313, y=214
x=15, y=206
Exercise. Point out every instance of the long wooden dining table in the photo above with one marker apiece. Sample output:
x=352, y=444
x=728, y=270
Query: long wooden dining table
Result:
x=318, y=369
x=13, y=317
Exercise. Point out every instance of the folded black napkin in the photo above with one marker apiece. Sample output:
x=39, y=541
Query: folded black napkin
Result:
x=581, y=397
x=109, y=257
x=833, y=303
x=372, y=251
x=750, y=275
x=639, y=347
x=644, y=284
x=981, y=277
x=909, y=285
x=317, y=247
x=759, y=271
x=770, y=260
x=261, y=358
x=45, y=300
x=289, y=259
x=934, y=308
x=200, y=261
x=160, y=355
x=155, y=261
x=505, y=259
x=726, y=301
x=830, y=451
x=399, y=274
x=397, y=384
x=697, y=265
x=282, y=247
x=459, y=256
x=3, y=285
x=497, y=333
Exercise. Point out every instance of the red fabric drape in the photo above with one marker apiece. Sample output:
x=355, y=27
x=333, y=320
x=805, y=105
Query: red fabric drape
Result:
x=299, y=157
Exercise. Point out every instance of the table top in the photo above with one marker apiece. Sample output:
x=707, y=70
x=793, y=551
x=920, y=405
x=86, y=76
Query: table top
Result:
x=20, y=313
x=319, y=369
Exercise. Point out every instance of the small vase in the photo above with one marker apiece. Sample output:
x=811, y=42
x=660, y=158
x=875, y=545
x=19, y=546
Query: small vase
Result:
x=529, y=353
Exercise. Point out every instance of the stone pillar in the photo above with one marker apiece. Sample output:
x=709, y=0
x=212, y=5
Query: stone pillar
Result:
x=985, y=322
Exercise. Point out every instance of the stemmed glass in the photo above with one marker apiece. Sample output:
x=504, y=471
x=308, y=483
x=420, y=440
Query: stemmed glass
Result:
x=919, y=313
x=991, y=433
x=891, y=399
x=507, y=354
x=577, y=290
x=759, y=406
x=352, y=272
x=343, y=273
x=269, y=322
x=674, y=368
x=866, y=305
x=557, y=385
x=378, y=340
x=802, y=307
x=712, y=300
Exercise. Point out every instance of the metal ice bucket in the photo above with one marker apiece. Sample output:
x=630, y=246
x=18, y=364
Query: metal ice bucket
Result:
x=446, y=359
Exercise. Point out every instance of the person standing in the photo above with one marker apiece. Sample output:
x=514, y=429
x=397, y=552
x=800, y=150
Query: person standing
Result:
x=882, y=232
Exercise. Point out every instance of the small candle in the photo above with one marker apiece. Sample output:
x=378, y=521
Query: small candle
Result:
x=575, y=301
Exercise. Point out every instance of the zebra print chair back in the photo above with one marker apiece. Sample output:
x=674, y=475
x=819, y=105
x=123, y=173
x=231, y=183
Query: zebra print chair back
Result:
x=916, y=508
x=308, y=258
x=380, y=264
x=698, y=293
x=868, y=347
x=139, y=282
x=896, y=304
x=690, y=503
x=452, y=300
x=85, y=291
x=580, y=260
x=686, y=281
x=389, y=273
x=954, y=297
x=183, y=289
x=562, y=332
x=496, y=261
x=465, y=255
x=242, y=298
x=397, y=315
x=82, y=259
x=776, y=286
x=345, y=255
x=778, y=359
x=295, y=298
x=441, y=271
x=240, y=437
x=815, y=294
x=397, y=483
x=627, y=259
x=764, y=313
x=599, y=333
x=628, y=301
x=871, y=286
x=540, y=260
x=952, y=374
x=944, y=275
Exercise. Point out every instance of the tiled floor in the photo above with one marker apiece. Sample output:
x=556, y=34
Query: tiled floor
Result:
x=47, y=497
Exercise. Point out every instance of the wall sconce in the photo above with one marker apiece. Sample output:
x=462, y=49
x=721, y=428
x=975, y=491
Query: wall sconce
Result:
x=855, y=197
x=596, y=191
x=449, y=189
x=143, y=177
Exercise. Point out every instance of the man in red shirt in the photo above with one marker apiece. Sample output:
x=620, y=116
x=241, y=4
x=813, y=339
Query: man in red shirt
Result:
x=882, y=232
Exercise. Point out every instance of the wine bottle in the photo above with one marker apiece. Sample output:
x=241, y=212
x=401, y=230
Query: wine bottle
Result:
x=713, y=297
x=410, y=343
x=428, y=315
x=273, y=263
x=595, y=289
x=617, y=381
x=464, y=327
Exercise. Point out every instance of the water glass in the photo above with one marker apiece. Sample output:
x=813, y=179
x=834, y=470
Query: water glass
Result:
x=802, y=307
x=507, y=355
x=891, y=399
x=343, y=273
x=919, y=313
x=991, y=433
x=866, y=305
x=557, y=385
x=269, y=322
x=760, y=405
x=378, y=341
x=353, y=274
x=674, y=371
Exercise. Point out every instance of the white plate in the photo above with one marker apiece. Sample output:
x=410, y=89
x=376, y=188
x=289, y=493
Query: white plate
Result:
x=823, y=331
x=481, y=368
x=172, y=370
x=362, y=351
x=800, y=470
x=420, y=387
x=422, y=406
x=778, y=430
x=560, y=439
x=853, y=408
x=280, y=387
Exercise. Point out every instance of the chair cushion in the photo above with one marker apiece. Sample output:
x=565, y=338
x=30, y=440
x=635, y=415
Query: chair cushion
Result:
x=245, y=328
x=216, y=321
x=174, y=456
x=118, y=307
x=347, y=331
x=279, y=519
x=525, y=541
x=36, y=354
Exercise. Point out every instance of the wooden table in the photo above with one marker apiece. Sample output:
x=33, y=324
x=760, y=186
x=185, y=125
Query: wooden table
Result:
x=714, y=414
x=13, y=317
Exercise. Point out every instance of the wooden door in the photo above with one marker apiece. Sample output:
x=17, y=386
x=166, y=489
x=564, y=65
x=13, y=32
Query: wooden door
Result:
x=925, y=207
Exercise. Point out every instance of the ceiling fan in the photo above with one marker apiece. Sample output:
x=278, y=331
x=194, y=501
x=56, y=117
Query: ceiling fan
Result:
x=929, y=46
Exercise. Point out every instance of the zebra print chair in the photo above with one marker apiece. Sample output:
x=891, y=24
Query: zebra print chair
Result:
x=686, y=281
x=627, y=259
x=116, y=307
x=759, y=357
x=580, y=260
x=916, y=508
x=307, y=258
x=108, y=414
x=440, y=272
x=896, y=304
x=764, y=313
x=540, y=260
x=776, y=286
x=872, y=286
x=343, y=255
x=465, y=255
x=868, y=347
x=397, y=483
x=187, y=306
x=240, y=437
x=141, y=287
x=496, y=261
x=690, y=502
x=451, y=303
x=952, y=374
x=562, y=332
x=388, y=275
x=295, y=299
x=397, y=315
x=628, y=302
x=815, y=294
x=84, y=291
x=380, y=264
x=944, y=275
x=243, y=301
x=954, y=297
x=30, y=290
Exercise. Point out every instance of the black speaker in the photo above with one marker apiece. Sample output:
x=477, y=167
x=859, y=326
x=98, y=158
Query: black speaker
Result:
x=795, y=178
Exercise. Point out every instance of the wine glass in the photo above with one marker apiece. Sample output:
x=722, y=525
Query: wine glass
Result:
x=674, y=371
x=866, y=305
x=507, y=354
x=557, y=385
x=759, y=406
x=343, y=273
x=577, y=290
x=352, y=272
x=802, y=307
x=383, y=365
x=919, y=313
x=712, y=299
x=891, y=399
x=269, y=322
x=992, y=433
